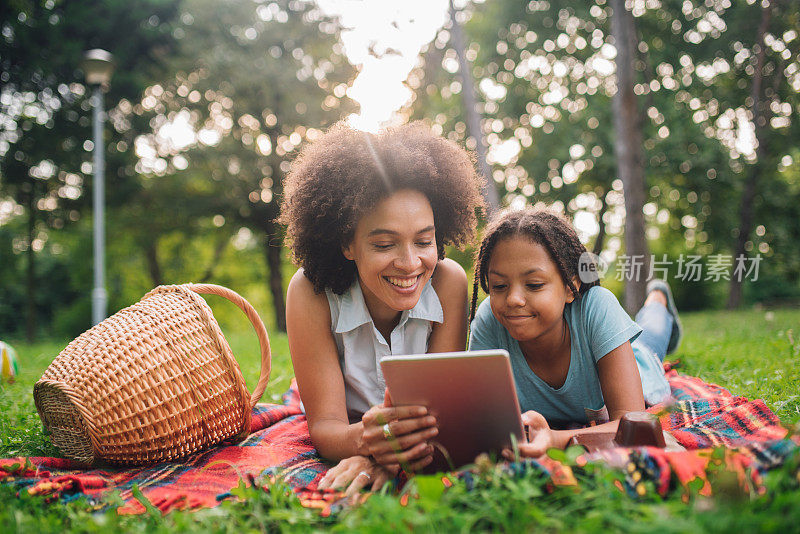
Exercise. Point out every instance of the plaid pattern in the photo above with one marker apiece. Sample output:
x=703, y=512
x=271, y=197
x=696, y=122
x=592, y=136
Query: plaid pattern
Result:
x=278, y=443
x=703, y=416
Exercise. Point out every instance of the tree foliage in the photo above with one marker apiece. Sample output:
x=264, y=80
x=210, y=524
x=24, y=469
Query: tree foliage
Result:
x=547, y=77
x=46, y=129
x=207, y=106
x=254, y=81
x=210, y=101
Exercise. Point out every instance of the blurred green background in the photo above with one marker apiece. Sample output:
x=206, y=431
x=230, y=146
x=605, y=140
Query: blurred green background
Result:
x=211, y=100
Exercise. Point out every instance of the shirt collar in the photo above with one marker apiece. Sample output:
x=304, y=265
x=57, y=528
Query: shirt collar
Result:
x=354, y=313
x=429, y=307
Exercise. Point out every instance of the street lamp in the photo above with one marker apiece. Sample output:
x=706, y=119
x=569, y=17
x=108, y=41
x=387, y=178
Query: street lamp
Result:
x=98, y=65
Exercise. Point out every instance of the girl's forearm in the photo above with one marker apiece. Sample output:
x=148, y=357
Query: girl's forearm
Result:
x=562, y=437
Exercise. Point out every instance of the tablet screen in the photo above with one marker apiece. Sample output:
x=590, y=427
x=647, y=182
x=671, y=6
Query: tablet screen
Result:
x=471, y=394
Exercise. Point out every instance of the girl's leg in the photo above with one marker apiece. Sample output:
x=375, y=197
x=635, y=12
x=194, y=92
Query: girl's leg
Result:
x=660, y=334
x=654, y=384
x=659, y=319
x=656, y=323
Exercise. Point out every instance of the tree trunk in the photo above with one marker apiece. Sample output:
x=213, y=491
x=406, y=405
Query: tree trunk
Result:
x=601, y=235
x=753, y=172
x=629, y=156
x=472, y=116
x=30, y=278
x=272, y=249
x=153, y=267
x=219, y=248
x=273, y=244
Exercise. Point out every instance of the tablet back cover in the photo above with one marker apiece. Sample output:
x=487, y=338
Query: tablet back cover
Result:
x=471, y=394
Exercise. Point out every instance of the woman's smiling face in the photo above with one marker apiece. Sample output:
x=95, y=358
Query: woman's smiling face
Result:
x=394, y=249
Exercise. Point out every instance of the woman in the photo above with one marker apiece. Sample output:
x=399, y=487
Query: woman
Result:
x=367, y=219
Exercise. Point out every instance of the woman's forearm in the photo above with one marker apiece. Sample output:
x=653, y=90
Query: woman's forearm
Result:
x=336, y=440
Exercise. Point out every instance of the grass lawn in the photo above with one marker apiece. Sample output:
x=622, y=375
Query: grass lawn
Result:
x=752, y=353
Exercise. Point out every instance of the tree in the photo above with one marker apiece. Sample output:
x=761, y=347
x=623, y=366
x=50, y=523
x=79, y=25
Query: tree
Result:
x=255, y=81
x=628, y=148
x=472, y=116
x=734, y=66
x=547, y=78
x=43, y=100
x=546, y=89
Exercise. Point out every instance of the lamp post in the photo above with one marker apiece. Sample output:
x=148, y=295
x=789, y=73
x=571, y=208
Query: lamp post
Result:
x=97, y=66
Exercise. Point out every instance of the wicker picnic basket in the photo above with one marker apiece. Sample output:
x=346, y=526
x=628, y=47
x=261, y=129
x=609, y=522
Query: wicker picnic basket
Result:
x=156, y=381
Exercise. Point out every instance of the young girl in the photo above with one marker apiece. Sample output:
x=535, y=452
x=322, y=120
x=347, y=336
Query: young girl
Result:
x=576, y=355
x=368, y=217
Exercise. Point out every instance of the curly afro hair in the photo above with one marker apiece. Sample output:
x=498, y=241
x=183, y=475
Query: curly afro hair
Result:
x=342, y=175
x=541, y=226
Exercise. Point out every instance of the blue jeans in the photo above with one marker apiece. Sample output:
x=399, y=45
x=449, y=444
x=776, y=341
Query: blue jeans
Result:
x=650, y=348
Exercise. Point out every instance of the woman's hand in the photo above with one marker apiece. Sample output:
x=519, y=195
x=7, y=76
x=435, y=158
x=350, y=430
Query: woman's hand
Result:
x=540, y=436
x=398, y=436
x=356, y=472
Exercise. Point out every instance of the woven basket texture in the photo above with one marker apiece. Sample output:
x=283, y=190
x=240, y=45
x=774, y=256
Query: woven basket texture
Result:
x=155, y=382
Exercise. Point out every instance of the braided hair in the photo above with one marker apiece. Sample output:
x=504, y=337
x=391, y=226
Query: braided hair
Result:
x=541, y=226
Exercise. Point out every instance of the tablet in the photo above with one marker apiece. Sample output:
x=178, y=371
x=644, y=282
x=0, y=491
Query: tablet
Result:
x=471, y=394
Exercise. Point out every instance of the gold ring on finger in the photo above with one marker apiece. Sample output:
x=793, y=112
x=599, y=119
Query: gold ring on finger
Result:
x=387, y=432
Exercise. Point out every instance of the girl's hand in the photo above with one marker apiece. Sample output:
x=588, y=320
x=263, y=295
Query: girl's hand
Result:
x=398, y=436
x=356, y=472
x=540, y=436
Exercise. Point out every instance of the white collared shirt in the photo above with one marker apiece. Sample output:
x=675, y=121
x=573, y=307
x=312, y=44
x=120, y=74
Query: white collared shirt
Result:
x=361, y=346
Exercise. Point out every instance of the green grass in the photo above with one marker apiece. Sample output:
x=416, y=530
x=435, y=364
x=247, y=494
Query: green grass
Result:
x=753, y=353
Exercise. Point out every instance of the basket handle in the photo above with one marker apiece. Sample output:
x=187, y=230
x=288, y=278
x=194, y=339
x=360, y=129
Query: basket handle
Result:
x=258, y=325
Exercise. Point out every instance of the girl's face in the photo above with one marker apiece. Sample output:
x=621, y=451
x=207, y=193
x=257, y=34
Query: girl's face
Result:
x=394, y=249
x=526, y=292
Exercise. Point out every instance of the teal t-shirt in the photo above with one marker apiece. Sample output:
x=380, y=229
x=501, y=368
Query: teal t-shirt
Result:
x=597, y=325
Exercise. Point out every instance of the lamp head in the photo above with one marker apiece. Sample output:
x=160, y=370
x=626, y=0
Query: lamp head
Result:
x=98, y=65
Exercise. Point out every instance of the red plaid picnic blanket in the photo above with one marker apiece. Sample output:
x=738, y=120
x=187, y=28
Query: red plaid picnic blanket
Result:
x=703, y=416
x=278, y=443
x=717, y=428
